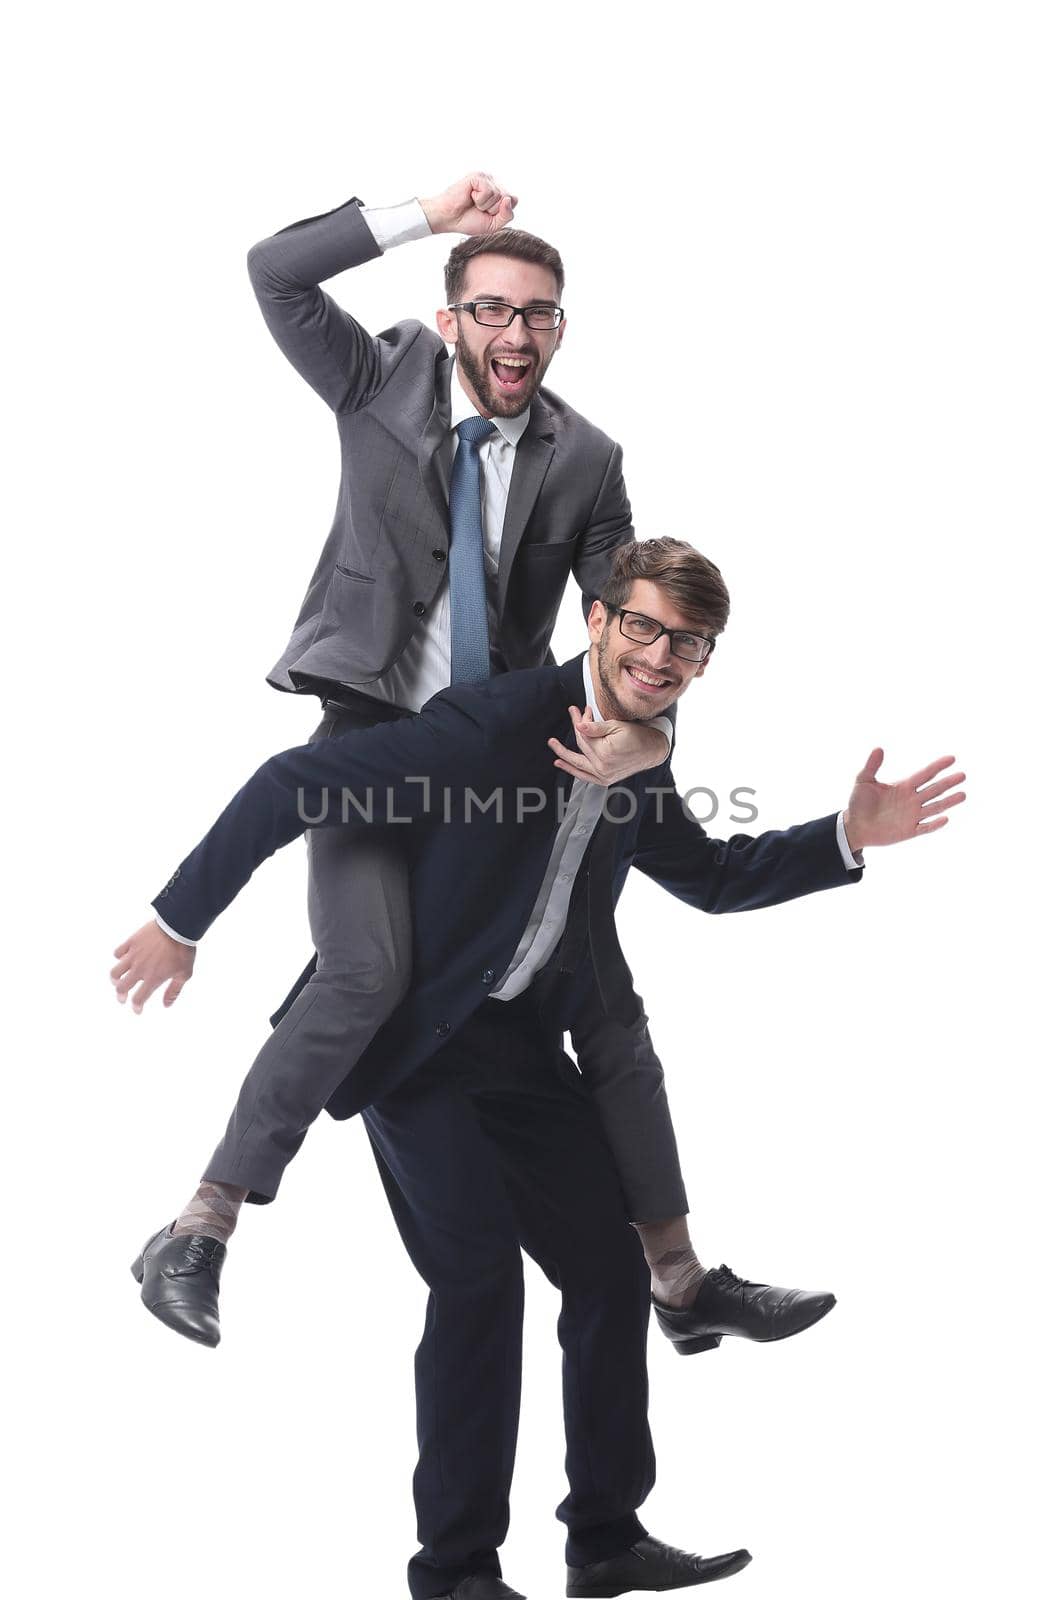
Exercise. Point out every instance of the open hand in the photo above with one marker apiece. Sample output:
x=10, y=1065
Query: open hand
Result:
x=149, y=958
x=887, y=813
x=609, y=751
x=475, y=204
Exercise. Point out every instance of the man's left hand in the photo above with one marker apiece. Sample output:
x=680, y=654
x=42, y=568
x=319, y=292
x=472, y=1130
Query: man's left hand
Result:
x=609, y=751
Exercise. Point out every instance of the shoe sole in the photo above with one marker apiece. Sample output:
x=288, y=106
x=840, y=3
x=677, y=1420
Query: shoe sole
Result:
x=607, y=1592
x=692, y=1347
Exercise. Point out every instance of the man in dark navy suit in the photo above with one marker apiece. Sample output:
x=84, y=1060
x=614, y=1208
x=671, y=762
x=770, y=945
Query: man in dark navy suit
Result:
x=486, y=1137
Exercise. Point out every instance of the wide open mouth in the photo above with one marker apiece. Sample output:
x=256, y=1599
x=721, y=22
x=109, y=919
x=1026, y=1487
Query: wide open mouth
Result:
x=511, y=372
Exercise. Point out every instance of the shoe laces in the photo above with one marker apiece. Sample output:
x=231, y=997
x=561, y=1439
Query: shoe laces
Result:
x=200, y=1250
x=736, y=1285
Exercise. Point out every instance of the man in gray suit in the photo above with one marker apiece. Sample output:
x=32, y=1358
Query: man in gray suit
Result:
x=468, y=494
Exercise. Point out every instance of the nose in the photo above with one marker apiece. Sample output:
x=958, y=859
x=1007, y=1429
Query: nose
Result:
x=518, y=334
x=658, y=655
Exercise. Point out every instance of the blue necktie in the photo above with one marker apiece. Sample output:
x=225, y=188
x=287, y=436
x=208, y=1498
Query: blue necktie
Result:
x=470, y=661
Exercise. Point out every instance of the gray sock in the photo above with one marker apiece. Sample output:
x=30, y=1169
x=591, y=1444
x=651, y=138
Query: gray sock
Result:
x=213, y=1211
x=676, y=1271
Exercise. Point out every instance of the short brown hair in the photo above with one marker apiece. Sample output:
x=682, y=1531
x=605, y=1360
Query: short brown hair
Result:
x=512, y=242
x=694, y=584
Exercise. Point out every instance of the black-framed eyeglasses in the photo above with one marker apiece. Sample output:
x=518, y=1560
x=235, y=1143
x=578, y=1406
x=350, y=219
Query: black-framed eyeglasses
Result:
x=634, y=625
x=497, y=314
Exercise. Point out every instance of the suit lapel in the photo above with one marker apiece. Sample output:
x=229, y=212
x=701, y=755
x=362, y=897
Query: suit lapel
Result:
x=534, y=454
x=434, y=446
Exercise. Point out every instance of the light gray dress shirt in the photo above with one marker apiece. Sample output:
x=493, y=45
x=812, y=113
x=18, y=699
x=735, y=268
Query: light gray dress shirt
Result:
x=550, y=914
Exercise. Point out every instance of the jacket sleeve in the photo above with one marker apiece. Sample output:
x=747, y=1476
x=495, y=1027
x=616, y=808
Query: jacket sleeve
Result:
x=741, y=873
x=610, y=524
x=373, y=777
x=334, y=354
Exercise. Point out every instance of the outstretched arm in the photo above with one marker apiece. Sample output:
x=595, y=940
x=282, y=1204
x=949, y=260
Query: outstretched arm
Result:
x=744, y=873
x=741, y=873
x=375, y=777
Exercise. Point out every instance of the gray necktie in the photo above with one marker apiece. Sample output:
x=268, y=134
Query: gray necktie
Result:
x=470, y=661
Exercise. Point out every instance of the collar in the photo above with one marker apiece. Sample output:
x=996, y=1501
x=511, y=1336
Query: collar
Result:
x=591, y=698
x=572, y=675
x=512, y=429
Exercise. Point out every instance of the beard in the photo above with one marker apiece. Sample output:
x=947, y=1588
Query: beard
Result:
x=617, y=709
x=483, y=384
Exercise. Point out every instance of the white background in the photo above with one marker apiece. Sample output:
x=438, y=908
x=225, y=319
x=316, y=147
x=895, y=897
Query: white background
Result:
x=806, y=290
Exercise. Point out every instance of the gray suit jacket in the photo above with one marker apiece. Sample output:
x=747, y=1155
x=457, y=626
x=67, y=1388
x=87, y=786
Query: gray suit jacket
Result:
x=386, y=554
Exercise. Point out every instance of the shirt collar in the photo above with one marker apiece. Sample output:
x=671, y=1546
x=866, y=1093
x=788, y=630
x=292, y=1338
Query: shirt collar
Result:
x=587, y=679
x=512, y=429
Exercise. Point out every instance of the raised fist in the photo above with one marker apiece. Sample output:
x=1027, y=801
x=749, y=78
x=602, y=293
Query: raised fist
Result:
x=475, y=204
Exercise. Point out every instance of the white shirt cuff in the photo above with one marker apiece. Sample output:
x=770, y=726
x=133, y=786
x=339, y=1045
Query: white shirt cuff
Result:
x=393, y=225
x=180, y=938
x=851, y=862
x=665, y=726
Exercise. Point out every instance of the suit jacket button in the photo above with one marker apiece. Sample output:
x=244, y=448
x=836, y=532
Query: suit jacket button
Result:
x=440, y=555
x=419, y=609
x=163, y=894
x=487, y=976
x=443, y=1029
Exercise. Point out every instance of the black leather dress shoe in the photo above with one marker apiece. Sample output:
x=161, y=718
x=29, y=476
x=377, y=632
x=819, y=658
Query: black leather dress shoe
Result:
x=726, y=1304
x=179, y=1276
x=482, y=1586
x=650, y=1564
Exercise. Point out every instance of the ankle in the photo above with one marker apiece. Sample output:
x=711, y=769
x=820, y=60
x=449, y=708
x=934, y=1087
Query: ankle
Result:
x=213, y=1211
x=676, y=1279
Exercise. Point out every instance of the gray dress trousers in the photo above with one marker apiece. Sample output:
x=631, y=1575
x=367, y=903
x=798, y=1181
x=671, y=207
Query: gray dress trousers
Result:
x=360, y=921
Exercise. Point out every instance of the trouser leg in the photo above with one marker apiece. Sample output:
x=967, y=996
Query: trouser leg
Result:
x=572, y=1220
x=360, y=920
x=442, y=1179
x=496, y=1143
x=624, y=1077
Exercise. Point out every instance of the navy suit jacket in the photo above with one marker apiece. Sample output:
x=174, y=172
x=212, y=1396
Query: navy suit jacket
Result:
x=476, y=872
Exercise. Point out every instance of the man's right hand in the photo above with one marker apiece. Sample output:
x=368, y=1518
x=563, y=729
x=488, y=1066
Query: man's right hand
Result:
x=149, y=958
x=476, y=204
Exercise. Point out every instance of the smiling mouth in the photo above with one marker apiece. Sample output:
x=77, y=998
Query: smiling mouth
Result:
x=648, y=682
x=511, y=372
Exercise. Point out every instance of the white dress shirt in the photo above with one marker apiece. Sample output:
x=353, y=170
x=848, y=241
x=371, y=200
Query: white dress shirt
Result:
x=425, y=666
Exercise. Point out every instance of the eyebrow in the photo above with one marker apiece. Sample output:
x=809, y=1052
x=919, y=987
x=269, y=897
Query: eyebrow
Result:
x=630, y=612
x=500, y=299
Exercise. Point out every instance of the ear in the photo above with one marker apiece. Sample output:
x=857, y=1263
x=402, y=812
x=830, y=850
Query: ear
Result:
x=447, y=325
x=597, y=620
